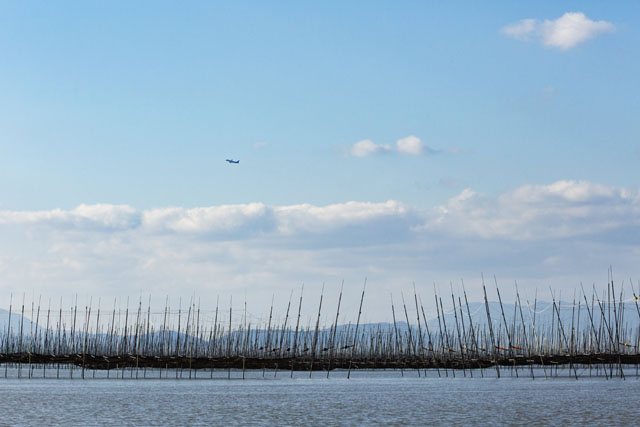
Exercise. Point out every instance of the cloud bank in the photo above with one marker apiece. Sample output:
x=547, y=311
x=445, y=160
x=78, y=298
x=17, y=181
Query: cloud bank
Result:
x=214, y=222
x=530, y=212
x=566, y=32
x=556, y=234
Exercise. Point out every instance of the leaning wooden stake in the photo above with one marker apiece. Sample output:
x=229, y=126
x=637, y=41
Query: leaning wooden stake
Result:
x=332, y=341
x=355, y=337
x=493, y=342
x=315, y=335
x=395, y=327
x=295, y=337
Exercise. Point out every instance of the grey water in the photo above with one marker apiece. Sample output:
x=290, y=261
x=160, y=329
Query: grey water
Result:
x=368, y=398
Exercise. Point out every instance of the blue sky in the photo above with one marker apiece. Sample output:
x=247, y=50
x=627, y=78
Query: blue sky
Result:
x=138, y=105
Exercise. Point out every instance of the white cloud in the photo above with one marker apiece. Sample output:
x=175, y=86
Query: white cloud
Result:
x=99, y=216
x=566, y=32
x=572, y=29
x=367, y=147
x=411, y=145
x=536, y=212
x=309, y=218
x=207, y=220
x=521, y=30
x=216, y=222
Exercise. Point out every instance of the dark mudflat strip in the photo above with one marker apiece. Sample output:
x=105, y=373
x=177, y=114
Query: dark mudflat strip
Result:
x=90, y=361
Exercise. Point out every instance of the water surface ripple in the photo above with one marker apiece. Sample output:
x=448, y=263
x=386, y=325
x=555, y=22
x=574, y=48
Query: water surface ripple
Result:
x=368, y=398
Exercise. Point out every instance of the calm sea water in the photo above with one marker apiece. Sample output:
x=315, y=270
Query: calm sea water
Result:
x=368, y=398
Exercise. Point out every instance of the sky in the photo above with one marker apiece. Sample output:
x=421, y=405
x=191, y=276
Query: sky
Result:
x=398, y=142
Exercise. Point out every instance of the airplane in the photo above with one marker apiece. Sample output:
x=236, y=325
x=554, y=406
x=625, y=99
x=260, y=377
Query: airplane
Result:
x=233, y=161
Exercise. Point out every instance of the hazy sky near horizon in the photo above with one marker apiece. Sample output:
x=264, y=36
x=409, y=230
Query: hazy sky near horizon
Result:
x=399, y=141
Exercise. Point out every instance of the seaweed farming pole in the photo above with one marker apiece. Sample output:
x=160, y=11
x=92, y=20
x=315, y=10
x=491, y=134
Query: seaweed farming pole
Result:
x=455, y=315
x=284, y=328
x=229, y=337
x=126, y=324
x=446, y=334
x=198, y=339
x=535, y=334
x=464, y=332
x=146, y=338
x=295, y=338
x=411, y=342
x=605, y=325
x=589, y=312
x=610, y=295
x=187, y=330
x=355, y=337
x=493, y=342
x=635, y=299
x=164, y=337
x=332, y=341
x=34, y=339
x=7, y=351
x=430, y=344
x=573, y=332
x=73, y=329
x=136, y=336
x=506, y=327
x=563, y=335
x=406, y=316
x=95, y=341
x=265, y=348
x=20, y=342
x=266, y=344
x=46, y=340
x=621, y=306
x=29, y=348
x=420, y=340
x=395, y=327
x=473, y=334
x=524, y=329
x=615, y=317
x=246, y=337
x=215, y=333
x=315, y=335
x=86, y=336
x=111, y=332
x=435, y=295
x=59, y=338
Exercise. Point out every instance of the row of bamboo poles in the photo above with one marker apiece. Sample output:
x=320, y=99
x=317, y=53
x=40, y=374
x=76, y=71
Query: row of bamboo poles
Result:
x=455, y=340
